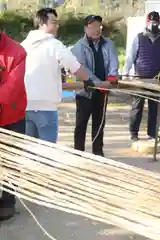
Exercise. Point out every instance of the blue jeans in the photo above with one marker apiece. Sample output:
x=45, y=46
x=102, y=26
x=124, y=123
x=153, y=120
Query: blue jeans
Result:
x=42, y=125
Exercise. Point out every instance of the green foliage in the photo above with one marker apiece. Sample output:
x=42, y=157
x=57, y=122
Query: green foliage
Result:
x=71, y=28
x=17, y=24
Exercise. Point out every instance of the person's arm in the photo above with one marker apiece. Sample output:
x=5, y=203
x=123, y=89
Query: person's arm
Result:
x=15, y=77
x=113, y=61
x=69, y=61
x=131, y=56
x=113, y=68
x=75, y=66
x=78, y=52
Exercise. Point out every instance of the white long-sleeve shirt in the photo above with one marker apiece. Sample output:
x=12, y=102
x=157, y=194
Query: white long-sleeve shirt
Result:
x=45, y=57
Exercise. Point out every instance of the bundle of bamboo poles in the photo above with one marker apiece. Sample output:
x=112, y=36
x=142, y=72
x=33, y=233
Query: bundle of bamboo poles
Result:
x=80, y=183
x=145, y=88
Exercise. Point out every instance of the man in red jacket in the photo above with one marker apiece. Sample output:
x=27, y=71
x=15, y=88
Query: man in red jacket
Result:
x=13, y=101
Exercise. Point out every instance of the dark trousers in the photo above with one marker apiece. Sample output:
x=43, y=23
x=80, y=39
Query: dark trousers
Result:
x=7, y=199
x=136, y=116
x=86, y=108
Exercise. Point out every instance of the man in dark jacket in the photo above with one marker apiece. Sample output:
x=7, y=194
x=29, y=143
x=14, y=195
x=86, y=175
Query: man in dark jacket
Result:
x=99, y=58
x=145, y=55
x=12, y=102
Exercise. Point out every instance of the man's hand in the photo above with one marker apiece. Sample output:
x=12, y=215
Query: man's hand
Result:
x=73, y=86
x=89, y=86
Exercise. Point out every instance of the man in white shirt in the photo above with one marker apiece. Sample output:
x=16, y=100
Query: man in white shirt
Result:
x=45, y=57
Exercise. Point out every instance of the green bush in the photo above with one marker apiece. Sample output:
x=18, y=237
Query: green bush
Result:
x=17, y=24
x=71, y=28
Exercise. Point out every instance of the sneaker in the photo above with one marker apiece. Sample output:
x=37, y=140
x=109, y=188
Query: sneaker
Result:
x=134, y=138
x=153, y=139
x=6, y=213
x=100, y=154
x=150, y=138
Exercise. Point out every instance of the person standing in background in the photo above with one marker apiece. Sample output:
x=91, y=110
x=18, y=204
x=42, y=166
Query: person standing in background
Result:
x=144, y=55
x=99, y=58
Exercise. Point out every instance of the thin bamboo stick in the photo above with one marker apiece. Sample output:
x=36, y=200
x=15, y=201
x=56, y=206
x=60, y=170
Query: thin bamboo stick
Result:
x=80, y=183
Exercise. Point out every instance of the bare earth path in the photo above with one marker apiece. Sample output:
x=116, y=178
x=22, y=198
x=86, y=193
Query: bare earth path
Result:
x=64, y=226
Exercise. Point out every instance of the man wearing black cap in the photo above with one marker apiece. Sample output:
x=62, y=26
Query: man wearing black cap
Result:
x=100, y=60
x=145, y=55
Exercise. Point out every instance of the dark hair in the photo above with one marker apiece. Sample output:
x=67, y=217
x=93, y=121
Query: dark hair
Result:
x=153, y=16
x=92, y=18
x=42, y=15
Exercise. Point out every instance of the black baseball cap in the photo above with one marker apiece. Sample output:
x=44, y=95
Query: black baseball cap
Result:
x=153, y=16
x=91, y=18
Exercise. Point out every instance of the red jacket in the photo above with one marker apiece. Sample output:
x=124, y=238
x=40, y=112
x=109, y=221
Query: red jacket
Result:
x=13, y=99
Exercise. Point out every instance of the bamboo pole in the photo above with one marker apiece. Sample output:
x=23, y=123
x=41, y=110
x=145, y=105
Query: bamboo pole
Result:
x=80, y=183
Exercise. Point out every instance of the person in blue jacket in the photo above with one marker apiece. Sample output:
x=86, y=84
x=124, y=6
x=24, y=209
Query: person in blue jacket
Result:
x=145, y=56
x=99, y=58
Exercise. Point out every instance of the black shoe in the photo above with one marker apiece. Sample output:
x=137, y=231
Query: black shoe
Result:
x=134, y=138
x=6, y=213
x=150, y=138
x=99, y=154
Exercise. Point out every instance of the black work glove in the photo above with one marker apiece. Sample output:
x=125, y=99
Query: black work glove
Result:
x=89, y=86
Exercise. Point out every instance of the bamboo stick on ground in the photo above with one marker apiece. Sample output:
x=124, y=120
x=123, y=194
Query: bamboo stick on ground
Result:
x=80, y=183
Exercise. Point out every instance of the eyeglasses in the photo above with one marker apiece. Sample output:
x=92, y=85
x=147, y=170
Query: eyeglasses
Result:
x=56, y=22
